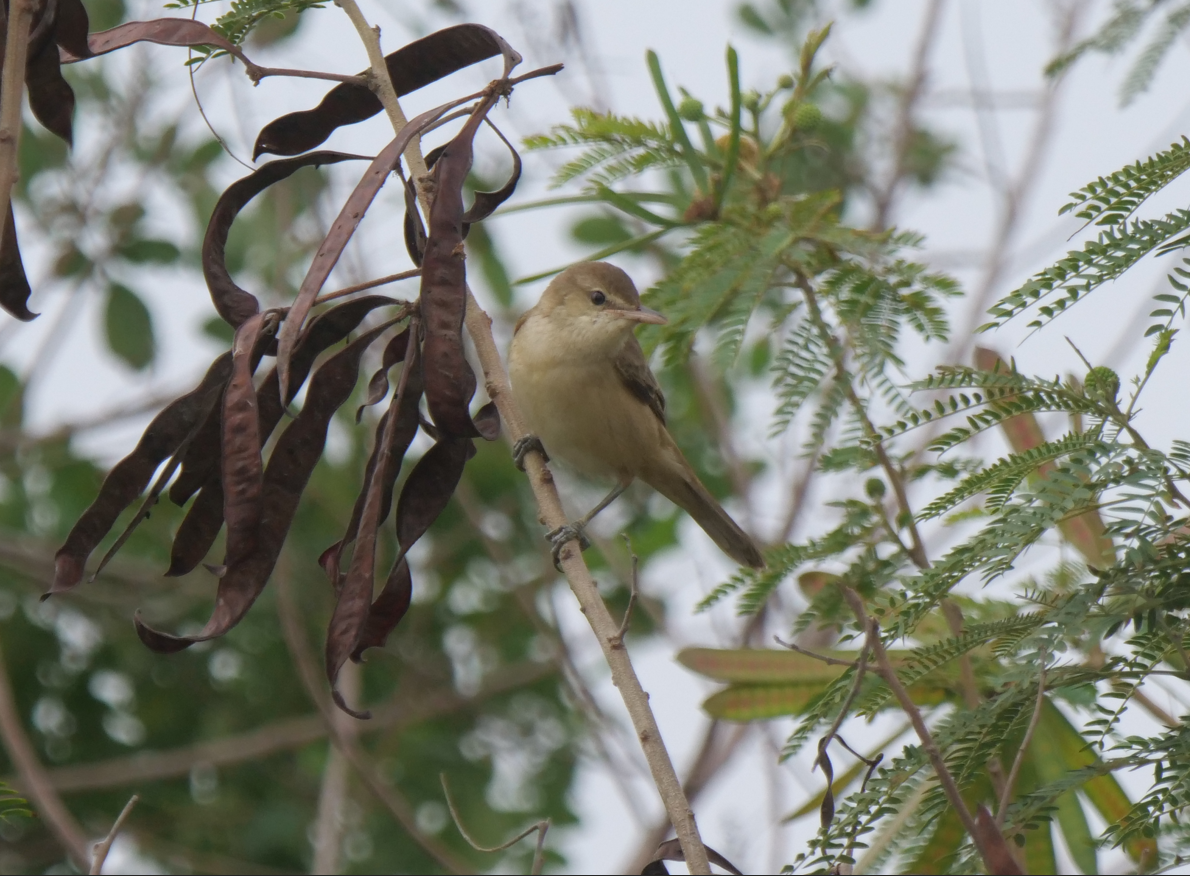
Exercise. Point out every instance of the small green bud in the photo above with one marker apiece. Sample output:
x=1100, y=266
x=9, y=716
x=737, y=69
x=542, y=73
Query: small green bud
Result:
x=691, y=109
x=807, y=117
x=1102, y=384
x=751, y=100
x=785, y=81
x=874, y=488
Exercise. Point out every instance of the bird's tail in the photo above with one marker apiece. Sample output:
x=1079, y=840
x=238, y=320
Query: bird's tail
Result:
x=678, y=483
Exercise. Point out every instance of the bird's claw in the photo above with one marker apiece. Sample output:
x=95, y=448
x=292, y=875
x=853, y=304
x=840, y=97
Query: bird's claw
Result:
x=523, y=446
x=563, y=534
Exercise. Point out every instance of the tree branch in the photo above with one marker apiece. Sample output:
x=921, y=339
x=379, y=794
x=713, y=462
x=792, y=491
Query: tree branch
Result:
x=1010, y=783
x=479, y=327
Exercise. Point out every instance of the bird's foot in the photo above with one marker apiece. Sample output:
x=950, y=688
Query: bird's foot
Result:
x=563, y=534
x=523, y=446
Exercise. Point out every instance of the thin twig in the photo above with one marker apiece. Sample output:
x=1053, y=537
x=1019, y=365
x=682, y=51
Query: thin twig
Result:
x=634, y=591
x=903, y=138
x=256, y=73
x=829, y=661
x=945, y=779
x=1010, y=783
x=370, y=284
x=541, y=827
x=102, y=848
x=479, y=327
x=33, y=780
x=12, y=89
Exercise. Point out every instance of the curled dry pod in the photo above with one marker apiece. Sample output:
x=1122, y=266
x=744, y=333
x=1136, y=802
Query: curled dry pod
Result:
x=242, y=465
x=163, y=31
x=355, y=592
x=233, y=303
x=411, y=67
x=293, y=459
x=14, y=285
x=205, y=518
x=128, y=479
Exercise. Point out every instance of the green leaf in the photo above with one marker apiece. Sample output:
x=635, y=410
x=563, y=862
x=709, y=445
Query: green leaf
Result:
x=147, y=250
x=677, y=129
x=129, y=327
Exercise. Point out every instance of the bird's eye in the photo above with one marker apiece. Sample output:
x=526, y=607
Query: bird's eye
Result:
x=598, y=299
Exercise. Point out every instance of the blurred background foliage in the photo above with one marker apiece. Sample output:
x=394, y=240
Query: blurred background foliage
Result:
x=222, y=741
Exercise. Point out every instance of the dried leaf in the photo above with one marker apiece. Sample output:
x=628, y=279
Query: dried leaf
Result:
x=205, y=518
x=394, y=352
x=293, y=459
x=50, y=97
x=411, y=67
x=429, y=487
x=415, y=231
x=485, y=204
x=131, y=475
x=353, y=607
x=388, y=609
x=826, y=812
x=71, y=26
x=163, y=31
x=487, y=422
x=450, y=382
x=671, y=850
x=14, y=286
x=233, y=303
x=242, y=466
x=405, y=407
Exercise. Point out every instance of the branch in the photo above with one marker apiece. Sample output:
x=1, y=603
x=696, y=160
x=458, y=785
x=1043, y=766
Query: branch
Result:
x=12, y=89
x=479, y=327
x=102, y=848
x=951, y=789
x=34, y=782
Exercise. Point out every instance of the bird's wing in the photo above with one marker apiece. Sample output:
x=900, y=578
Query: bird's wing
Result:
x=634, y=373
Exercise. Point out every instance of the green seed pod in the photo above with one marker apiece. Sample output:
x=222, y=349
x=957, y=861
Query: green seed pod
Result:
x=874, y=488
x=785, y=81
x=807, y=117
x=691, y=109
x=751, y=100
x=1102, y=384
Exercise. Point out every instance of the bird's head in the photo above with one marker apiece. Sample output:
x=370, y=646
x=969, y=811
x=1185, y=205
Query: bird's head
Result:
x=595, y=304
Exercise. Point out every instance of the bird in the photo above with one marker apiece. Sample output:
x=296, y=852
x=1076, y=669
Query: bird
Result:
x=584, y=388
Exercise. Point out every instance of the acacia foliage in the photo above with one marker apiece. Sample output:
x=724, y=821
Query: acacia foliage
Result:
x=833, y=306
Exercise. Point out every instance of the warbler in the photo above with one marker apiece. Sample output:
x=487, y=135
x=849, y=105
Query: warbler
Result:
x=583, y=385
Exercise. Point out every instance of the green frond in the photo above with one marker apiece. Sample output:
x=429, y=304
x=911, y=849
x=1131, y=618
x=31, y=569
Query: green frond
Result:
x=1145, y=66
x=1070, y=280
x=617, y=147
x=1001, y=479
x=1111, y=200
x=244, y=15
x=799, y=371
x=1116, y=32
x=12, y=805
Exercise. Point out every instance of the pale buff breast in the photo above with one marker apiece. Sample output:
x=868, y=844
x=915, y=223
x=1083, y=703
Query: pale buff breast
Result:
x=578, y=408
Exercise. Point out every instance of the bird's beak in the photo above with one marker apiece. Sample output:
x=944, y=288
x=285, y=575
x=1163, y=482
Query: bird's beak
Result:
x=645, y=314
